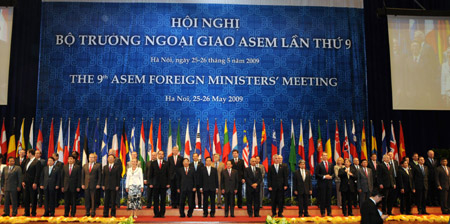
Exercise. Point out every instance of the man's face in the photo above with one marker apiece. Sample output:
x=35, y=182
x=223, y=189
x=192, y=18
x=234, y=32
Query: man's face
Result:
x=302, y=165
x=154, y=155
x=280, y=159
x=258, y=160
x=405, y=164
x=38, y=154
x=374, y=157
x=253, y=161
x=364, y=164
x=391, y=155
x=324, y=157
x=71, y=160
x=347, y=163
x=235, y=154
x=415, y=157
x=356, y=161
x=421, y=161
x=444, y=162
x=22, y=153
x=50, y=162
x=185, y=163
x=229, y=164
x=195, y=157
x=91, y=158
x=431, y=154
x=175, y=151
x=160, y=155
x=11, y=161
x=386, y=158
x=216, y=158
x=208, y=162
x=111, y=159
x=134, y=155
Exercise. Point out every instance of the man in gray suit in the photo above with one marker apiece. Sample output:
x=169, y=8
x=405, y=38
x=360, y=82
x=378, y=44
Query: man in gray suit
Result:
x=261, y=186
x=219, y=166
x=365, y=182
x=11, y=180
x=90, y=181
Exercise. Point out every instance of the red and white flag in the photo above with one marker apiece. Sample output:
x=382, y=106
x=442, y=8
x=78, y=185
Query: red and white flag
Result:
x=393, y=143
x=76, y=141
x=198, y=142
x=158, y=140
x=311, y=150
x=254, y=141
x=346, y=145
x=337, y=144
x=217, y=147
x=3, y=144
x=187, y=142
x=281, y=138
x=60, y=143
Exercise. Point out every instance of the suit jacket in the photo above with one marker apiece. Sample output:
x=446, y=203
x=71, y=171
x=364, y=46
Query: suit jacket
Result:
x=220, y=168
x=277, y=180
x=209, y=182
x=24, y=162
x=431, y=169
x=11, y=180
x=50, y=180
x=239, y=166
x=395, y=168
x=442, y=179
x=321, y=172
x=33, y=174
x=111, y=179
x=420, y=179
x=173, y=168
x=385, y=176
x=186, y=182
x=159, y=178
x=197, y=172
x=302, y=187
x=369, y=213
x=91, y=179
x=365, y=183
x=405, y=180
x=251, y=178
x=147, y=172
x=229, y=183
x=374, y=171
x=59, y=164
x=348, y=182
x=71, y=181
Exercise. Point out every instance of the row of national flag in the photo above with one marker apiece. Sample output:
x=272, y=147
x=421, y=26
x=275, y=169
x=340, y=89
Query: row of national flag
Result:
x=101, y=144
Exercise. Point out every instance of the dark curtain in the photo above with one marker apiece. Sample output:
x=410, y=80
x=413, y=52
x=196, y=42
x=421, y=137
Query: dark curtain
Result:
x=423, y=129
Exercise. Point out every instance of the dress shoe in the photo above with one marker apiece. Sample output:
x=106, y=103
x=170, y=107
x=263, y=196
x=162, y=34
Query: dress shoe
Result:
x=280, y=216
x=182, y=216
x=425, y=213
x=350, y=214
x=66, y=215
x=5, y=215
x=105, y=216
x=232, y=216
x=161, y=216
x=323, y=215
x=250, y=216
x=87, y=214
x=155, y=216
x=45, y=215
x=307, y=215
x=239, y=206
x=226, y=216
x=212, y=215
x=204, y=216
x=257, y=216
x=219, y=207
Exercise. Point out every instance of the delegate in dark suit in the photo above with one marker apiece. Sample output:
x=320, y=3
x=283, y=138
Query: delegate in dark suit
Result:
x=229, y=182
x=347, y=188
x=91, y=177
x=277, y=183
x=111, y=177
x=387, y=181
x=31, y=179
x=420, y=178
x=11, y=179
x=303, y=187
x=197, y=166
x=443, y=184
x=71, y=177
x=374, y=166
x=159, y=180
x=185, y=184
x=50, y=181
x=325, y=185
x=433, y=196
x=238, y=165
x=364, y=184
x=369, y=213
x=21, y=162
x=405, y=186
x=40, y=191
x=148, y=180
x=209, y=182
x=253, y=180
x=173, y=167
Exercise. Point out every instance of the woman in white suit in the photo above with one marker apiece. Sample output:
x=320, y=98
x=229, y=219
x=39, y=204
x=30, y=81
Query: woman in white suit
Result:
x=134, y=187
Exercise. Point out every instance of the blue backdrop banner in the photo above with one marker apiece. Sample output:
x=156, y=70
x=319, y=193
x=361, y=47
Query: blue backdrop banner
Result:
x=225, y=60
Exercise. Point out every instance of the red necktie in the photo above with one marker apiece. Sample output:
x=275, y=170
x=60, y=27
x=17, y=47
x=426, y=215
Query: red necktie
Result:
x=365, y=170
x=160, y=164
x=186, y=171
x=90, y=168
x=326, y=166
x=389, y=167
x=109, y=168
x=70, y=170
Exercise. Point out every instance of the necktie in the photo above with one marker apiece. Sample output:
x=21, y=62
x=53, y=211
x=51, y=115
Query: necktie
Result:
x=423, y=172
x=229, y=172
x=50, y=170
x=407, y=172
x=160, y=164
x=253, y=170
x=365, y=170
x=393, y=167
x=186, y=170
x=90, y=167
x=389, y=167
x=110, y=167
x=276, y=168
x=303, y=175
x=445, y=167
x=375, y=165
x=209, y=170
x=70, y=170
x=175, y=160
x=326, y=166
x=10, y=168
x=195, y=166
